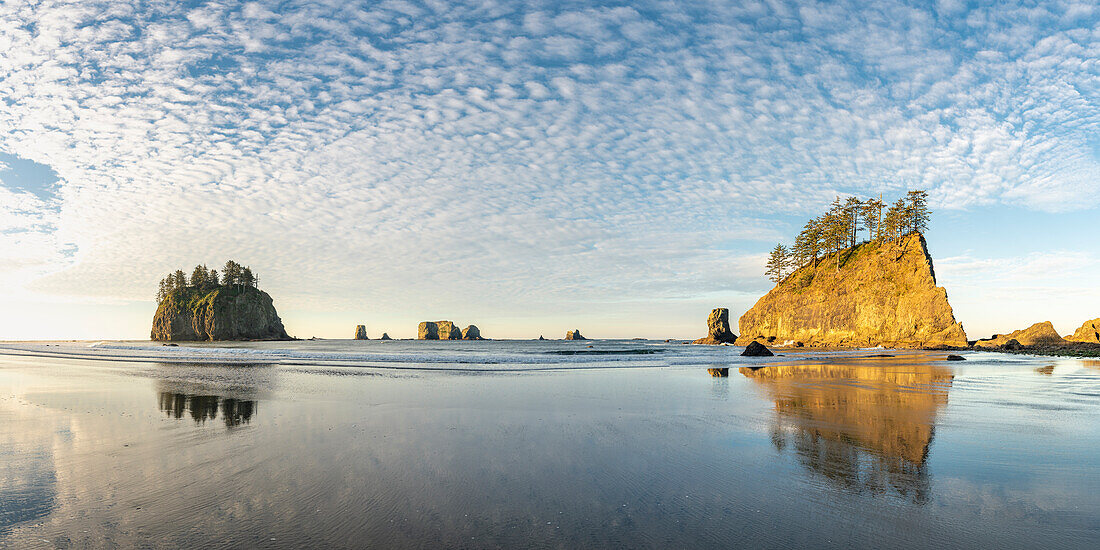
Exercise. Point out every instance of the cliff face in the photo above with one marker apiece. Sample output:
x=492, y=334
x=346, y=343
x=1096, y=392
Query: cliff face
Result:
x=438, y=330
x=1088, y=332
x=220, y=313
x=884, y=293
x=1037, y=334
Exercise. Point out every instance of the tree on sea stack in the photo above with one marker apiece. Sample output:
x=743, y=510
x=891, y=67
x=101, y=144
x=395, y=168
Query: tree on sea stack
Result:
x=916, y=211
x=206, y=307
x=778, y=263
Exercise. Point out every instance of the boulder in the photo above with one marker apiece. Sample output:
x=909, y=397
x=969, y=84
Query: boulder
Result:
x=883, y=293
x=385, y=336
x=228, y=312
x=361, y=332
x=1013, y=345
x=956, y=358
x=574, y=335
x=1039, y=334
x=718, y=328
x=471, y=333
x=1088, y=332
x=756, y=349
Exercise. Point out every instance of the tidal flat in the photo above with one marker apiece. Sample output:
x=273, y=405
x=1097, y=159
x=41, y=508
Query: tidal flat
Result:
x=347, y=444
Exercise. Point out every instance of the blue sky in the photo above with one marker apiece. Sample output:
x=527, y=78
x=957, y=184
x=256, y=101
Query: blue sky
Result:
x=533, y=167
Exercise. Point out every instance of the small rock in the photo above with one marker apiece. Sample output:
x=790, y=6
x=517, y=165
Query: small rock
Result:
x=1013, y=345
x=956, y=358
x=385, y=336
x=756, y=349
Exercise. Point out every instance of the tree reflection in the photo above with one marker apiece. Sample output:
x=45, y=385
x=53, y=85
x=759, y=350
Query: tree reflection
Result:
x=865, y=426
x=201, y=408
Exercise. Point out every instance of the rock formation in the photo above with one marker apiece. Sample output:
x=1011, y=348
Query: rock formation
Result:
x=884, y=293
x=719, y=372
x=471, y=333
x=756, y=349
x=541, y=337
x=385, y=336
x=228, y=312
x=574, y=335
x=438, y=330
x=718, y=328
x=361, y=332
x=1039, y=334
x=1088, y=332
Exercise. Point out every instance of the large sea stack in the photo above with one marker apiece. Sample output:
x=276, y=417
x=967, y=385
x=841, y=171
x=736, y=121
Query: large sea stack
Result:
x=718, y=328
x=225, y=312
x=883, y=293
x=574, y=335
x=438, y=330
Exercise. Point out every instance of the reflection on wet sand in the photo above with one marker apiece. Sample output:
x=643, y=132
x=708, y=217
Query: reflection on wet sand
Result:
x=865, y=426
x=176, y=401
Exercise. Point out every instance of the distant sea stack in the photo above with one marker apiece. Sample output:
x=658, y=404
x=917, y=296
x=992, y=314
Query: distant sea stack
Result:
x=438, y=330
x=574, y=335
x=718, y=328
x=1039, y=334
x=385, y=336
x=471, y=333
x=1088, y=332
x=883, y=293
x=361, y=332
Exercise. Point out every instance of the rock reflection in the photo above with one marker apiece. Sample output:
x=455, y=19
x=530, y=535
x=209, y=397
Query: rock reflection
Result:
x=201, y=408
x=865, y=427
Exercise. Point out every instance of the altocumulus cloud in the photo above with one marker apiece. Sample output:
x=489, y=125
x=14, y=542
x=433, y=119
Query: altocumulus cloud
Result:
x=516, y=153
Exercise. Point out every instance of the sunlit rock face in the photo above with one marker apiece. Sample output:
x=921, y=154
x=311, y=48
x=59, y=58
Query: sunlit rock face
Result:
x=360, y=332
x=1035, y=335
x=864, y=427
x=574, y=335
x=1088, y=332
x=883, y=293
x=222, y=313
x=718, y=328
x=438, y=330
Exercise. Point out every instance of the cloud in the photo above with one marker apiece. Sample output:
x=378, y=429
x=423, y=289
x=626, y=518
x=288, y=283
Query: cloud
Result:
x=389, y=154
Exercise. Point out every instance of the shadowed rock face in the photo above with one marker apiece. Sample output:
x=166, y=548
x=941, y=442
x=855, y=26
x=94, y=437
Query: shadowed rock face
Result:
x=756, y=349
x=866, y=426
x=220, y=313
x=1037, y=334
x=361, y=332
x=574, y=335
x=718, y=328
x=1088, y=332
x=884, y=293
x=438, y=330
x=471, y=333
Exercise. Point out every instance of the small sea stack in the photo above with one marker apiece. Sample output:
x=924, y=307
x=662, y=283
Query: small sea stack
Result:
x=385, y=336
x=574, y=335
x=471, y=333
x=718, y=328
x=361, y=332
x=756, y=349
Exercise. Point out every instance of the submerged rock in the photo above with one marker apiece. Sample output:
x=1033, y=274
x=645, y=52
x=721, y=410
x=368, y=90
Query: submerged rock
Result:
x=1088, y=332
x=1037, y=334
x=756, y=349
x=574, y=335
x=956, y=358
x=883, y=293
x=361, y=332
x=471, y=333
x=228, y=312
x=718, y=328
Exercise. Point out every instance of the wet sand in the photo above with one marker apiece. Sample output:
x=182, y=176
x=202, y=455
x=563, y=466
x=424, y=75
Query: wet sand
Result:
x=909, y=451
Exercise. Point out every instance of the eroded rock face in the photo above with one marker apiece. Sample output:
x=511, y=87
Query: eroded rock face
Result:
x=1088, y=332
x=884, y=293
x=361, y=332
x=718, y=328
x=471, y=333
x=438, y=330
x=574, y=335
x=1036, y=335
x=756, y=349
x=220, y=313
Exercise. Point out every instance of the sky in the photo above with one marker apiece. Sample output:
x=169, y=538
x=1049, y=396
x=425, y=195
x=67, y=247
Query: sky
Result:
x=533, y=167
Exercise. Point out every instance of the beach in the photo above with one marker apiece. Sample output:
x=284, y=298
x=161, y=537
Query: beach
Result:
x=556, y=444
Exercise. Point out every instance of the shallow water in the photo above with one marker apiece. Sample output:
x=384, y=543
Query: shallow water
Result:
x=542, y=444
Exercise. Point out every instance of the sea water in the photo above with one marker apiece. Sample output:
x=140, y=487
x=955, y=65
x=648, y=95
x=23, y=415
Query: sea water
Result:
x=348, y=444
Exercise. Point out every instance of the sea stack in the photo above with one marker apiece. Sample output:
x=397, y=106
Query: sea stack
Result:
x=438, y=330
x=718, y=328
x=361, y=332
x=225, y=312
x=1039, y=334
x=879, y=293
x=385, y=336
x=1088, y=332
x=574, y=335
x=471, y=333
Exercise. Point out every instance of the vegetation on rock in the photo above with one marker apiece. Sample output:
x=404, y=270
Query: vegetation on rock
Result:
x=206, y=306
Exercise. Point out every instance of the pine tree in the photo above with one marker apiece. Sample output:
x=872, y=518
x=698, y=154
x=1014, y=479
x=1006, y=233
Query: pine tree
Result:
x=246, y=277
x=871, y=212
x=198, y=276
x=916, y=211
x=851, y=212
x=179, y=280
x=895, y=220
x=231, y=274
x=777, y=263
x=834, y=229
x=213, y=277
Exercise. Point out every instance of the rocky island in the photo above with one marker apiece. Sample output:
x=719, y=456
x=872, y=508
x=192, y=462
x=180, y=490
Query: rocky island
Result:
x=834, y=290
x=206, y=306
